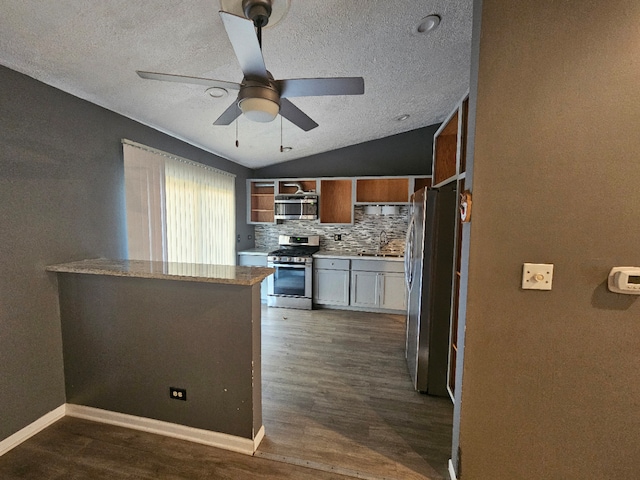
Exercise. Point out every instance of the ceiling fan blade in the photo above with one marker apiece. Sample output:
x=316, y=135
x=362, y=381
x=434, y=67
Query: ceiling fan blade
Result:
x=244, y=41
x=296, y=116
x=312, y=87
x=229, y=115
x=208, y=82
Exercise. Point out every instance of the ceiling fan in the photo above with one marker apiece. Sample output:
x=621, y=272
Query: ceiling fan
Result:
x=260, y=97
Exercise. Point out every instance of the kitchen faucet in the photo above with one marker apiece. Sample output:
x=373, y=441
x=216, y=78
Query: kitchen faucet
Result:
x=383, y=241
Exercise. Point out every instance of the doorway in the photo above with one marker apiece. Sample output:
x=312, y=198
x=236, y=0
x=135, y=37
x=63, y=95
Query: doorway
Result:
x=337, y=396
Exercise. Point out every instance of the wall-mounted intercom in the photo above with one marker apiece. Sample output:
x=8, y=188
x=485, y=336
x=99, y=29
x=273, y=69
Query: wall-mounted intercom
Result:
x=625, y=280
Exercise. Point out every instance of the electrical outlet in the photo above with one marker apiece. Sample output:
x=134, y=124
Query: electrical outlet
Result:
x=178, y=393
x=337, y=237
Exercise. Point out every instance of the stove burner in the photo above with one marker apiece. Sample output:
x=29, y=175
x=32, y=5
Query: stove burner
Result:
x=294, y=251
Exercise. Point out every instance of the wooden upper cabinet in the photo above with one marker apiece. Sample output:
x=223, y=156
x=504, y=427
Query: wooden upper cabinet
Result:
x=337, y=196
x=336, y=201
x=382, y=190
x=261, y=201
x=449, y=146
x=421, y=182
x=445, y=150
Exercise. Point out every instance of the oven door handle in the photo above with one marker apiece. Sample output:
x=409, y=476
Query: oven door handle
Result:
x=286, y=265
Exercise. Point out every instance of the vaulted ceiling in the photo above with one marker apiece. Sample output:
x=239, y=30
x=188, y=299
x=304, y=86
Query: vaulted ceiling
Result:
x=93, y=49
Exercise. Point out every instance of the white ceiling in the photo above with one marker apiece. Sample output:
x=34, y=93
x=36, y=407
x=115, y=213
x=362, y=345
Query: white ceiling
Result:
x=93, y=49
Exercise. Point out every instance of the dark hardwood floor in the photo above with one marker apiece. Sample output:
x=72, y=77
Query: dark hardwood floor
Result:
x=75, y=449
x=337, y=396
x=337, y=400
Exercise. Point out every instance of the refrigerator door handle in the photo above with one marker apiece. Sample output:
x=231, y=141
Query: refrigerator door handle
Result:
x=408, y=254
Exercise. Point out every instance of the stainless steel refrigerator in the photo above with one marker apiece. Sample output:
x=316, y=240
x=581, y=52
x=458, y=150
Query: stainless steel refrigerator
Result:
x=429, y=275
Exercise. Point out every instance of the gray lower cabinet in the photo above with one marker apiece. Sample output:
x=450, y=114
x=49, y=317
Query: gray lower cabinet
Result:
x=362, y=284
x=331, y=287
x=378, y=290
x=364, y=289
x=393, y=293
x=255, y=260
x=331, y=282
x=378, y=284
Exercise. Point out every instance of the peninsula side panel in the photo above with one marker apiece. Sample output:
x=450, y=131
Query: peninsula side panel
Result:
x=128, y=340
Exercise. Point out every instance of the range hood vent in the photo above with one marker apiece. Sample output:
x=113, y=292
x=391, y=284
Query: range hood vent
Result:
x=381, y=209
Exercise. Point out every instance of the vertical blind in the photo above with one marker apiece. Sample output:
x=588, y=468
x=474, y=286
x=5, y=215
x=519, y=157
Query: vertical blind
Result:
x=177, y=210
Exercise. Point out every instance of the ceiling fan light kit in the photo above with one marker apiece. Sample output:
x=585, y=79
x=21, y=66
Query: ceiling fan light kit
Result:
x=259, y=109
x=259, y=102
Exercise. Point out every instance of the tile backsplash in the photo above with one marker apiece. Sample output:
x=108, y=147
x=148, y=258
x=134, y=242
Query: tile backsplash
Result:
x=363, y=235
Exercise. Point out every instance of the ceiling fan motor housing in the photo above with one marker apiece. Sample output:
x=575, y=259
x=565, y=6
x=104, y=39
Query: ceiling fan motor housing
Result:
x=258, y=11
x=258, y=101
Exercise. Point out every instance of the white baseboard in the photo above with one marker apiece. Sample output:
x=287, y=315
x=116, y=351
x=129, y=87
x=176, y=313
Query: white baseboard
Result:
x=31, y=429
x=205, y=437
x=452, y=471
x=258, y=438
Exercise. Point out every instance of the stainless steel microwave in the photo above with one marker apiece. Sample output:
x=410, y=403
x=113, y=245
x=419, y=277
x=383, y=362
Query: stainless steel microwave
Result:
x=299, y=206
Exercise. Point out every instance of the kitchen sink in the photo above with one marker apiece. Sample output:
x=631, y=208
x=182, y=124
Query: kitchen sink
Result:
x=391, y=255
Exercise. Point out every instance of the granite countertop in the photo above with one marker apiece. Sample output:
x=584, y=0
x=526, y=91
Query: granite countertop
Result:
x=186, y=272
x=388, y=257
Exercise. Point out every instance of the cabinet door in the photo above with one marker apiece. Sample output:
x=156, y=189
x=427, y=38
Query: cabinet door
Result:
x=393, y=291
x=382, y=190
x=364, y=289
x=256, y=261
x=331, y=287
x=336, y=201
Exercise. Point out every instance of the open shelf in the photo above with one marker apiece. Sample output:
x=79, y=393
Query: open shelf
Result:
x=453, y=334
x=287, y=187
x=262, y=202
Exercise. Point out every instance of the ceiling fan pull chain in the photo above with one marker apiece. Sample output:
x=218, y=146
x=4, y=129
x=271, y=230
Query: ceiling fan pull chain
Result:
x=281, y=147
x=237, y=143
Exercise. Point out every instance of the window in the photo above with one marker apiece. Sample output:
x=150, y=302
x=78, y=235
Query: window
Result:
x=177, y=210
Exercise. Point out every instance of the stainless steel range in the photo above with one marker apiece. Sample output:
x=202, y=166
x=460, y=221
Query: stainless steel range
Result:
x=291, y=284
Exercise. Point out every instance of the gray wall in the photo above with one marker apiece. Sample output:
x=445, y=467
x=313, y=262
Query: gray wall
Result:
x=61, y=199
x=407, y=153
x=551, y=379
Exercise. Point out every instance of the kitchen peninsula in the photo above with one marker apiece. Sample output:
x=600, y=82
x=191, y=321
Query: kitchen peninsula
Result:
x=166, y=347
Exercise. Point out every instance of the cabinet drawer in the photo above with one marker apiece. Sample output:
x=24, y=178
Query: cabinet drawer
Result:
x=377, y=266
x=331, y=263
x=252, y=260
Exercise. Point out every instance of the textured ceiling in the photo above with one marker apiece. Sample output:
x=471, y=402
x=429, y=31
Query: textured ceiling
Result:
x=93, y=49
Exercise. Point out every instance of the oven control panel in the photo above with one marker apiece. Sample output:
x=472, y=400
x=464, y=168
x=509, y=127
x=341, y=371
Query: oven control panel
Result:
x=278, y=259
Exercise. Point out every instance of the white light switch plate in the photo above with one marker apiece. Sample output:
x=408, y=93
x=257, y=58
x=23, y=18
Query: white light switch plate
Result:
x=537, y=276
